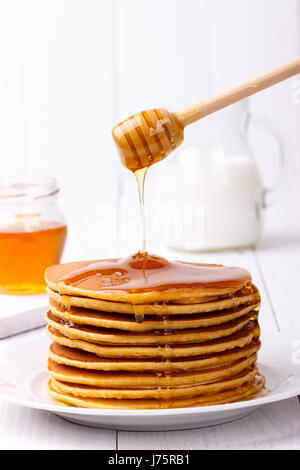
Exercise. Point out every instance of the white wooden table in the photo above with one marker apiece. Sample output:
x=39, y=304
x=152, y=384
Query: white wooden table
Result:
x=275, y=268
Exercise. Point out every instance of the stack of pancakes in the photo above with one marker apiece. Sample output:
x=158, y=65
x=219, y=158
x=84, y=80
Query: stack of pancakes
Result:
x=154, y=348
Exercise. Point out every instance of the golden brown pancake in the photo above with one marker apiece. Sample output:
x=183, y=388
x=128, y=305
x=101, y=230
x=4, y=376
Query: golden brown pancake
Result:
x=86, y=360
x=139, y=279
x=147, y=379
x=239, y=339
x=247, y=375
x=107, y=335
x=82, y=316
x=243, y=392
x=207, y=304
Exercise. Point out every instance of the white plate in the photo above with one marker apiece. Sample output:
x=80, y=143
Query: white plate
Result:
x=23, y=379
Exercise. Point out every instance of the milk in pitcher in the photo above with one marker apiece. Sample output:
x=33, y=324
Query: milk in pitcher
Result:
x=210, y=201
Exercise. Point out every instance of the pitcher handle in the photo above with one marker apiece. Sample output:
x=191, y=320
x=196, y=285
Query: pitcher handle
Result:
x=273, y=194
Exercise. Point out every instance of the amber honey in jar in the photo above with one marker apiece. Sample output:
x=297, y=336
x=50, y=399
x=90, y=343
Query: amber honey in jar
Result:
x=32, y=233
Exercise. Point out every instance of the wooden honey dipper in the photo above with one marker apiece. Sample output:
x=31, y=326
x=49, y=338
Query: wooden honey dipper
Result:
x=149, y=136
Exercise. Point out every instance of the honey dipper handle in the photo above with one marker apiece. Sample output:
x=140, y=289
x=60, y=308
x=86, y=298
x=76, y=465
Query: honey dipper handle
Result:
x=239, y=92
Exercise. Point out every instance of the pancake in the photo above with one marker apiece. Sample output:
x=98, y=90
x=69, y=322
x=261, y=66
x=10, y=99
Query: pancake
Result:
x=81, y=390
x=144, y=278
x=108, y=335
x=239, y=339
x=147, y=379
x=82, y=316
x=85, y=360
x=207, y=304
x=147, y=333
x=243, y=392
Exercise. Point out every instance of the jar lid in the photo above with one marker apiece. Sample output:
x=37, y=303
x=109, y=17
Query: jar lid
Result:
x=24, y=190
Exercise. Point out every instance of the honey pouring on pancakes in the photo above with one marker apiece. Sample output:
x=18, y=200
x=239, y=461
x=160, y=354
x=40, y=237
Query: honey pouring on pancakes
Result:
x=144, y=332
x=148, y=333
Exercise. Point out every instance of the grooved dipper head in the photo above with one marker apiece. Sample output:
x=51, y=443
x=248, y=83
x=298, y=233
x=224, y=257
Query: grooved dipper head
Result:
x=147, y=137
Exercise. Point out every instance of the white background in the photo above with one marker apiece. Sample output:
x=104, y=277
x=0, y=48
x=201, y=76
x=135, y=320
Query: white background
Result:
x=71, y=69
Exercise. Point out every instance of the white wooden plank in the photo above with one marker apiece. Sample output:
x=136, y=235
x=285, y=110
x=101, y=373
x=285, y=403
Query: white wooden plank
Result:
x=66, y=55
x=162, y=54
x=23, y=428
x=280, y=268
x=279, y=257
x=11, y=112
x=275, y=426
x=247, y=38
x=67, y=61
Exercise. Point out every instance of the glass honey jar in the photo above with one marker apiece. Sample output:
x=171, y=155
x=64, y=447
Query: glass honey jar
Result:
x=32, y=233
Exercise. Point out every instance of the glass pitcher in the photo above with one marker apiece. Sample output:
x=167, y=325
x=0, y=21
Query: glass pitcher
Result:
x=210, y=195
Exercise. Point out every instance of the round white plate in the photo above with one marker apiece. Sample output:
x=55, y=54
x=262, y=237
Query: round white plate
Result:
x=23, y=378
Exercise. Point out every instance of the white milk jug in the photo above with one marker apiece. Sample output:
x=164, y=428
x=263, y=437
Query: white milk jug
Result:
x=210, y=195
